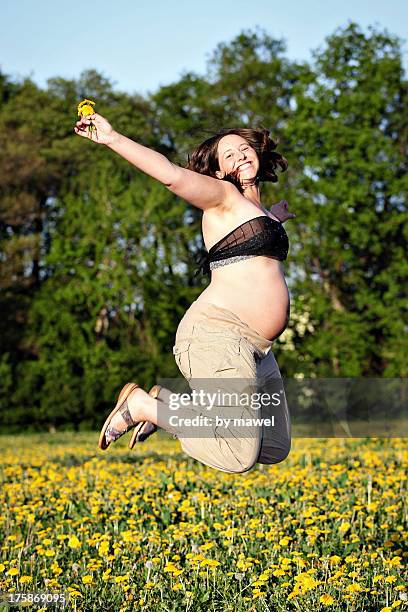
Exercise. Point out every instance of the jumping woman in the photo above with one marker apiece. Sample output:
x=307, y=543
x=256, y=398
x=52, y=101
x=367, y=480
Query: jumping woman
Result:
x=227, y=333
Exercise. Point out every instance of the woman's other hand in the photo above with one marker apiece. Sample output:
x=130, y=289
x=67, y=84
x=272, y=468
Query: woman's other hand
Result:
x=281, y=212
x=103, y=134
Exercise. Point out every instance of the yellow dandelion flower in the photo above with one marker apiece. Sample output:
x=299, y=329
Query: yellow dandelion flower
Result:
x=87, y=579
x=2, y=567
x=395, y=561
x=120, y=579
x=354, y=588
x=85, y=108
x=25, y=579
x=12, y=572
x=73, y=542
x=326, y=599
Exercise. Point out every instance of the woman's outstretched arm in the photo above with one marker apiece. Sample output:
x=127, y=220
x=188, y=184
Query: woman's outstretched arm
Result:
x=200, y=190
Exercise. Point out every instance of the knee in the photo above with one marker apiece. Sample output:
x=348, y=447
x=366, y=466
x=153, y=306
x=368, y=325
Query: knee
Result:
x=224, y=459
x=244, y=466
x=246, y=459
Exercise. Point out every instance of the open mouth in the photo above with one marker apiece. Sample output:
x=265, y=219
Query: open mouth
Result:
x=244, y=166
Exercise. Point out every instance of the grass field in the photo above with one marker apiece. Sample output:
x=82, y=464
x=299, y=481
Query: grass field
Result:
x=152, y=529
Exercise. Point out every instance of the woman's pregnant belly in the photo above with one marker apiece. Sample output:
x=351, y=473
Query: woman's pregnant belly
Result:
x=255, y=290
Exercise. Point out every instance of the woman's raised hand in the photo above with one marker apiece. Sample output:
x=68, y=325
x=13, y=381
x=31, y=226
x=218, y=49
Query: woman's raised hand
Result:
x=103, y=133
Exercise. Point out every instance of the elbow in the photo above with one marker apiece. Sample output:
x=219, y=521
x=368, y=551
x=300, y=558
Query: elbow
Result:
x=173, y=181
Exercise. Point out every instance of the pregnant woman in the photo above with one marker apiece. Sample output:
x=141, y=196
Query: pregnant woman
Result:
x=226, y=335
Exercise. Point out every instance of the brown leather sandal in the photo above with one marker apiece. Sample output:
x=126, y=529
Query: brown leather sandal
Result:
x=121, y=406
x=146, y=428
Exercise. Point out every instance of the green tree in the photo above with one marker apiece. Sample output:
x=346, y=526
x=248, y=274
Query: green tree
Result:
x=349, y=131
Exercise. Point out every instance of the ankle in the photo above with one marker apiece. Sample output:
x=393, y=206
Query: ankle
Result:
x=137, y=405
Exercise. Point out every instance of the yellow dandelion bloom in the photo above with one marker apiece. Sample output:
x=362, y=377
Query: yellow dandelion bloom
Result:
x=73, y=542
x=354, y=588
x=326, y=599
x=395, y=561
x=177, y=586
x=2, y=567
x=12, y=572
x=85, y=108
x=120, y=579
x=25, y=579
x=87, y=579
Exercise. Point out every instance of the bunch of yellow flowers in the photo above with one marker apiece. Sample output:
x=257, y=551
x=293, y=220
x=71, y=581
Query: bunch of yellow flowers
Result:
x=85, y=108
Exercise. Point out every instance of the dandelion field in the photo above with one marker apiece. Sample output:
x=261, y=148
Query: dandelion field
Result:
x=151, y=529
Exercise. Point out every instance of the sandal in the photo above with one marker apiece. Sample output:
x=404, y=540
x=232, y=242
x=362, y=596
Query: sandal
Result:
x=121, y=406
x=146, y=428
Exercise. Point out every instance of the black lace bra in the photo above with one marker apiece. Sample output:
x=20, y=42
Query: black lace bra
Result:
x=258, y=236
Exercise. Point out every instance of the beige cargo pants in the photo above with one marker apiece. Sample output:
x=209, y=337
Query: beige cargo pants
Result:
x=226, y=363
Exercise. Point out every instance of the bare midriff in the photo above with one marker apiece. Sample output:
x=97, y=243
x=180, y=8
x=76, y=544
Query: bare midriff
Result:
x=254, y=289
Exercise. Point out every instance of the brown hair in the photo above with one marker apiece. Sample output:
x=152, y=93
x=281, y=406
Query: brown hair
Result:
x=204, y=158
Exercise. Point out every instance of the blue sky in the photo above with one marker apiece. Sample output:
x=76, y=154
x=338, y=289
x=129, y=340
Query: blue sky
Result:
x=142, y=45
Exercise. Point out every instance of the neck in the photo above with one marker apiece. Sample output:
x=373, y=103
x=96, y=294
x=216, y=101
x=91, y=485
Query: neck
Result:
x=253, y=193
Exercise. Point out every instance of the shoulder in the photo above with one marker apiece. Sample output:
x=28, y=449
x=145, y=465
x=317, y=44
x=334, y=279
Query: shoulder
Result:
x=270, y=215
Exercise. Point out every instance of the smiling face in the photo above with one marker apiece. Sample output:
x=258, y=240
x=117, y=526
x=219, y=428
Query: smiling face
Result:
x=236, y=154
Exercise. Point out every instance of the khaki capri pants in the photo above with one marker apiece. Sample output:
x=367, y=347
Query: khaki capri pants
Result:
x=218, y=353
